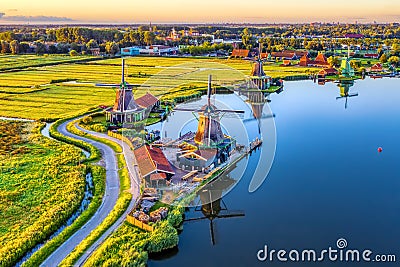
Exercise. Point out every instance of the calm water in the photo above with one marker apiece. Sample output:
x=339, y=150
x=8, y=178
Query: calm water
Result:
x=327, y=182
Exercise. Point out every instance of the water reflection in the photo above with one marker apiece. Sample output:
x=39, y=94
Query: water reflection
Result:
x=212, y=206
x=344, y=91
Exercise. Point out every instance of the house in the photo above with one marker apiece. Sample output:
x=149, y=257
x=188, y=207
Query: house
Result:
x=354, y=36
x=148, y=102
x=328, y=72
x=286, y=62
x=305, y=61
x=151, y=160
x=299, y=53
x=95, y=51
x=321, y=61
x=240, y=53
x=289, y=54
x=265, y=56
x=198, y=160
x=377, y=68
x=158, y=50
x=130, y=51
x=284, y=55
x=371, y=56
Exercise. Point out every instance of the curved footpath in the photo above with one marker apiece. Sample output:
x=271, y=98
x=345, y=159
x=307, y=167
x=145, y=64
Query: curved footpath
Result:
x=109, y=199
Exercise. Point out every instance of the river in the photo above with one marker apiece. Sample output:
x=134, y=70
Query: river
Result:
x=327, y=182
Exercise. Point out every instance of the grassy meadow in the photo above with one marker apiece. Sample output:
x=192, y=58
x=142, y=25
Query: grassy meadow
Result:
x=55, y=91
x=41, y=185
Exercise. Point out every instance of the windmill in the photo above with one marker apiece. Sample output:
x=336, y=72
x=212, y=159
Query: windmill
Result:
x=255, y=89
x=344, y=91
x=258, y=77
x=125, y=109
x=213, y=206
x=209, y=132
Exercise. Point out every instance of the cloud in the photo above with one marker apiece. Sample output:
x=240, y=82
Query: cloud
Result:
x=3, y=16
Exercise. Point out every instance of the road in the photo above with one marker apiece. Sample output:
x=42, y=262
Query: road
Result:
x=109, y=200
x=134, y=190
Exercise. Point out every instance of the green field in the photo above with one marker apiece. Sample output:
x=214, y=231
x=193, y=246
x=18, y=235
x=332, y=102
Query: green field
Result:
x=10, y=62
x=67, y=89
x=41, y=185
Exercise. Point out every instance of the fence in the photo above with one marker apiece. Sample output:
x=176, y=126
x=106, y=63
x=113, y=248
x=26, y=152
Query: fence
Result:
x=132, y=220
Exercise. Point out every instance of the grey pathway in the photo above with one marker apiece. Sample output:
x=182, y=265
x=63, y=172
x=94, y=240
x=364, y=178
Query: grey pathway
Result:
x=109, y=200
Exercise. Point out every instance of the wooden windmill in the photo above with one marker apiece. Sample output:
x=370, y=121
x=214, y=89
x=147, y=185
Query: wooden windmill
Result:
x=258, y=77
x=125, y=109
x=209, y=132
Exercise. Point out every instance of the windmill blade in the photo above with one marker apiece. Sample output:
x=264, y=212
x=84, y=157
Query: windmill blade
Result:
x=187, y=109
x=232, y=115
x=107, y=85
x=249, y=59
x=230, y=111
x=351, y=95
x=262, y=117
x=212, y=232
x=230, y=213
x=195, y=219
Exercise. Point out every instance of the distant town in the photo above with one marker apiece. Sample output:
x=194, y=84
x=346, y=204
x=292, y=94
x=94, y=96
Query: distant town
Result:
x=365, y=40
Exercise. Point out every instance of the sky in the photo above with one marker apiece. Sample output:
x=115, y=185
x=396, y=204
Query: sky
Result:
x=204, y=11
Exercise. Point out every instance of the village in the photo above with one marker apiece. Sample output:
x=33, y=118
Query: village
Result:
x=145, y=143
x=171, y=169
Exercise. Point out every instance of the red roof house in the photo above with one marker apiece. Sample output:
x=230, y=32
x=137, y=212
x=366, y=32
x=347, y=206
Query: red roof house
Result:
x=305, y=61
x=328, y=72
x=321, y=60
x=377, y=67
x=371, y=55
x=240, y=53
x=354, y=35
x=152, y=160
x=148, y=101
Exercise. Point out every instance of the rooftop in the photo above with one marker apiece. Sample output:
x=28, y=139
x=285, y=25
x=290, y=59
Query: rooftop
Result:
x=151, y=160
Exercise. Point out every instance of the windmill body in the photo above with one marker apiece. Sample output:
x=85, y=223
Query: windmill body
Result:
x=209, y=146
x=209, y=127
x=125, y=110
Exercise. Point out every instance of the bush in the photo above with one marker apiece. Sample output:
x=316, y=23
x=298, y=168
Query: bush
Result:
x=73, y=53
x=165, y=236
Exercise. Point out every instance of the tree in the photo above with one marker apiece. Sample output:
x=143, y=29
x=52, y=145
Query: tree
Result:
x=5, y=47
x=53, y=49
x=112, y=48
x=383, y=58
x=73, y=53
x=40, y=48
x=246, y=37
x=395, y=49
x=355, y=64
x=149, y=37
x=24, y=47
x=333, y=61
x=394, y=60
x=14, y=47
x=92, y=44
x=75, y=46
